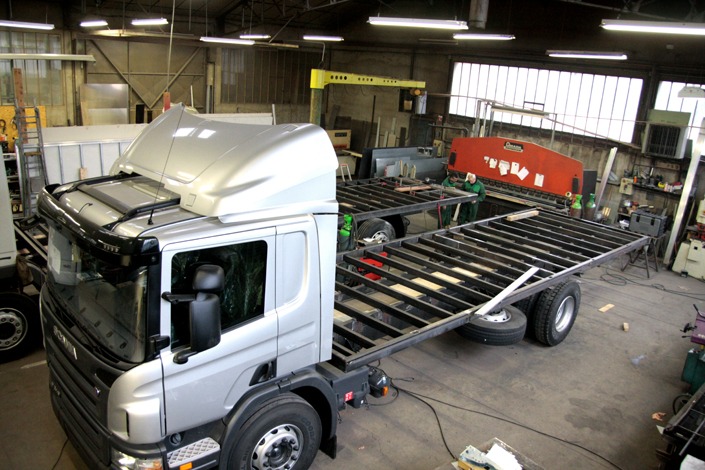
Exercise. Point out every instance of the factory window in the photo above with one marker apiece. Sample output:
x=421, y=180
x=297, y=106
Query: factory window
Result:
x=668, y=99
x=42, y=80
x=267, y=77
x=579, y=103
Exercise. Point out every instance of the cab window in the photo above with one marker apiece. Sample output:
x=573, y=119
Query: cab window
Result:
x=242, y=298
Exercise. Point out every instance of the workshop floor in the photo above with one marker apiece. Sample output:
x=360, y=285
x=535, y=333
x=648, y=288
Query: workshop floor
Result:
x=587, y=403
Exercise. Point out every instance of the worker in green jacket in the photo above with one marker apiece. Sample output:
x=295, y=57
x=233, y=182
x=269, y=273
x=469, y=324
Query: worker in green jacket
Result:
x=468, y=210
x=447, y=211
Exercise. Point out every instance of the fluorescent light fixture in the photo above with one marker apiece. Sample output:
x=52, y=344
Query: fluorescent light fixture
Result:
x=237, y=42
x=26, y=25
x=93, y=23
x=483, y=37
x=310, y=37
x=662, y=27
x=418, y=23
x=690, y=91
x=446, y=42
x=587, y=55
x=149, y=22
x=255, y=36
x=279, y=45
x=135, y=33
x=67, y=57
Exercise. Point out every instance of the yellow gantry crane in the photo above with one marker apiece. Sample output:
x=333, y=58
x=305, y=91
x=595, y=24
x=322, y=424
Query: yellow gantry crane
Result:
x=321, y=78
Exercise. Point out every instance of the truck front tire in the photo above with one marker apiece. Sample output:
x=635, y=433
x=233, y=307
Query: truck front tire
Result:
x=19, y=325
x=284, y=433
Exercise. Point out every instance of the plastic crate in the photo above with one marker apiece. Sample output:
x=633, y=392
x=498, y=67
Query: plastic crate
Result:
x=647, y=223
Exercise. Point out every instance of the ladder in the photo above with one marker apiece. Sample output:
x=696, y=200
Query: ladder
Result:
x=29, y=149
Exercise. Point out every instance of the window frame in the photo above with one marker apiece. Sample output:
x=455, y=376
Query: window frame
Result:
x=250, y=76
x=172, y=250
x=42, y=80
x=578, y=106
x=667, y=99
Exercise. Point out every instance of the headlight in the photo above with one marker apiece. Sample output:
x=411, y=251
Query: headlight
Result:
x=128, y=462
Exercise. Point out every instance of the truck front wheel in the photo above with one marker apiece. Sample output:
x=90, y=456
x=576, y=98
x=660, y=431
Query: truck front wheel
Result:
x=284, y=433
x=19, y=325
x=555, y=312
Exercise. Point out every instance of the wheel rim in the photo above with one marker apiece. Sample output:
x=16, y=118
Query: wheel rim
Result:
x=380, y=237
x=565, y=313
x=279, y=448
x=12, y=328
x=497, y=317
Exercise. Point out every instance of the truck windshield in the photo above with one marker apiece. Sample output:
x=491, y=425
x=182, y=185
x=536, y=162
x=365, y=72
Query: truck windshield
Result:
x=106, y=301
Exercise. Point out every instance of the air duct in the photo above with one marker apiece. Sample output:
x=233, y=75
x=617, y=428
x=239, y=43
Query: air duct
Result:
x=478, y=13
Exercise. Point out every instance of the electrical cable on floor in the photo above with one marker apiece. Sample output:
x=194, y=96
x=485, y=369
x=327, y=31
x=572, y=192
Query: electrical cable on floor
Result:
x=58, y=459
x=421, y=397
x=418, y=396
x=622, y=280
x=411, y=394
x=438, y=419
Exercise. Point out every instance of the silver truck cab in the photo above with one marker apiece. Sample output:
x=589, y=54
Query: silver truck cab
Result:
x=195, y=210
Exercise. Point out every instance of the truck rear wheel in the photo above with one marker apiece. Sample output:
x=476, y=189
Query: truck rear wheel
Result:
x=501, y=328
x=19, y=325
x=378, y=230
x=284, y=433
x=555, y=313
x=527, y=306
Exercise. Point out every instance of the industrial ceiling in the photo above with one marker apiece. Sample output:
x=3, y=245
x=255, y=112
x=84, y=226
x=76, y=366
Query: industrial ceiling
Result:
x=538, y=25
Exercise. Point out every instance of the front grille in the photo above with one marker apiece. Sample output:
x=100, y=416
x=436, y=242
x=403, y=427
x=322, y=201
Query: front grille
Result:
x=86, y=435
x=78, y=388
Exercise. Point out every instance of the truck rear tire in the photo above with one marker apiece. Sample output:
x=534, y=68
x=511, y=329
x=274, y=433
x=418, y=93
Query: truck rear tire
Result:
x=378, y=230
x=501, y=328
x=284, y=433
x=527, y=305
x=555, y=313
x=19, y=325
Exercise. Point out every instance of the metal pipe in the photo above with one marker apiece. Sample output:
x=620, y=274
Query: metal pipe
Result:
x=489, y=306
x=478, y=13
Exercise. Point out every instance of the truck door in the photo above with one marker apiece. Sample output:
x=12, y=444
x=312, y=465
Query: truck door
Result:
x=214, y=379
x=298, y=295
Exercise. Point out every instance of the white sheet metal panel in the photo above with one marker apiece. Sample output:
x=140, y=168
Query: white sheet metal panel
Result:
x=96, y=148
x=8, y=251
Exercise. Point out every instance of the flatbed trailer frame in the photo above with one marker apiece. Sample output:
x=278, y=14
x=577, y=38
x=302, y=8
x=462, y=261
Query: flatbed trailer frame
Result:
x=32, y=241
x=383, y=197
x=393, y=296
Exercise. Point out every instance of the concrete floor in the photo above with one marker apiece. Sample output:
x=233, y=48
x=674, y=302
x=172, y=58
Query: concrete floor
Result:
x=584, y=404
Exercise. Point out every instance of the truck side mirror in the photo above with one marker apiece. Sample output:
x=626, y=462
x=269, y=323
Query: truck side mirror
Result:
x=204, y=311
x=205, y=321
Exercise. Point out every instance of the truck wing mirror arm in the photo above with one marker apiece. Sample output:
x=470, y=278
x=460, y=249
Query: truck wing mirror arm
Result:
x=174, y=299
x=181, y=357
x=156, y=344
